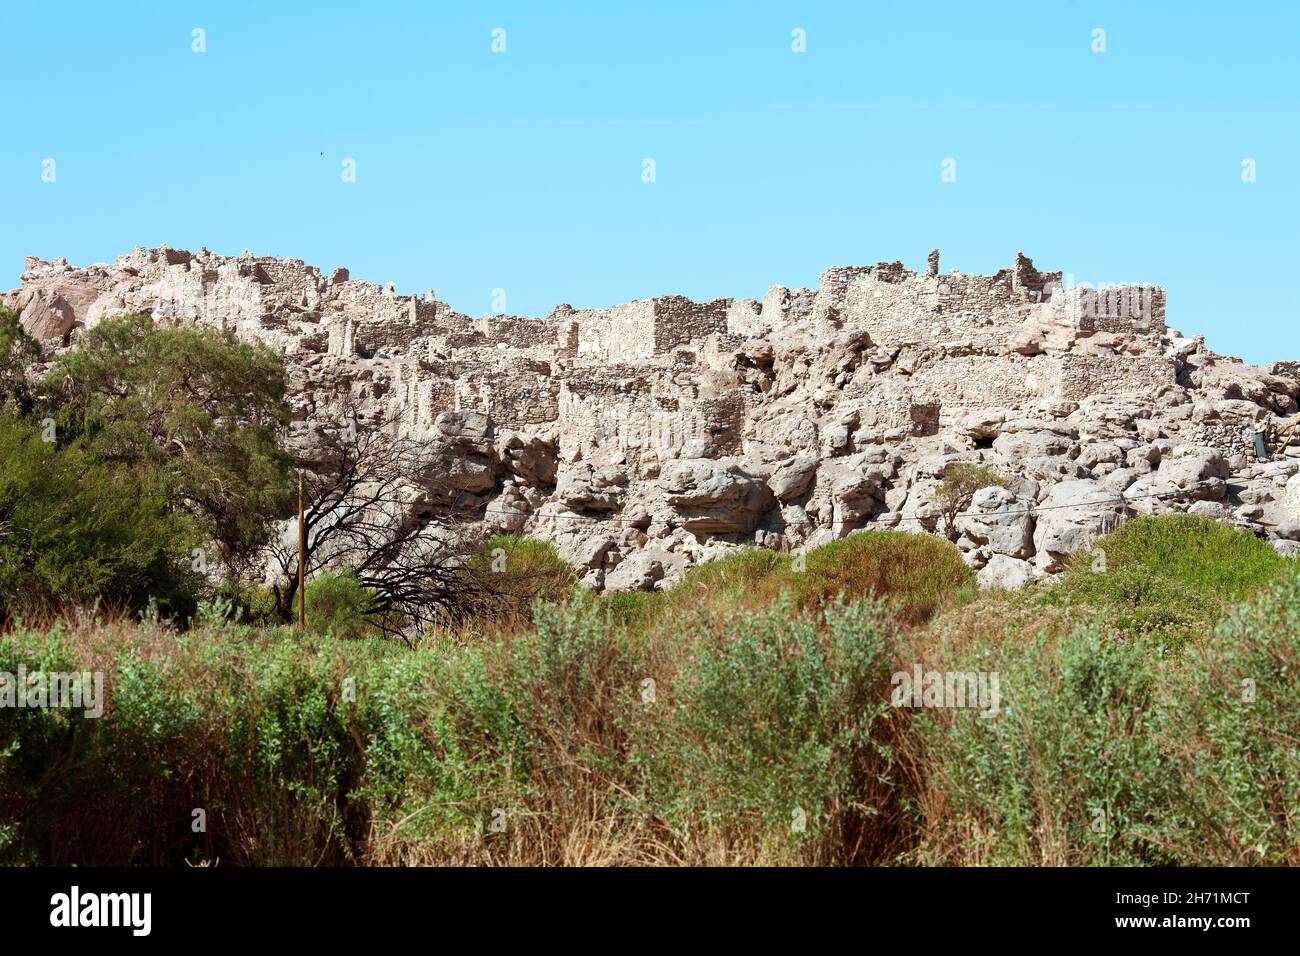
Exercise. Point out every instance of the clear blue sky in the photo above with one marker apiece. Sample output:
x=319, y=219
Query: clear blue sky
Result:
x=523, y=170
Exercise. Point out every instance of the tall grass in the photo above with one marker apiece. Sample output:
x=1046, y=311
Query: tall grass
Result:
x=742, y=718
x=915, y=574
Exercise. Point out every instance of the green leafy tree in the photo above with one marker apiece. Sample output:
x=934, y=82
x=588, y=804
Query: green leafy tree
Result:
x=193, y=410
x=18, y=351
x=338, y=604
x=74, y=531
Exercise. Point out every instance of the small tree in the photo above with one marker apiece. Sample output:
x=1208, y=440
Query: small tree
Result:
x=960, y=482
x=339, y=605
x=74, y=530
x=367, y=513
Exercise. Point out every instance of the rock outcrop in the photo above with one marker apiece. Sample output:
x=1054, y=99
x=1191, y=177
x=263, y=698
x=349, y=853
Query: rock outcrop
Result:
x=652, y=435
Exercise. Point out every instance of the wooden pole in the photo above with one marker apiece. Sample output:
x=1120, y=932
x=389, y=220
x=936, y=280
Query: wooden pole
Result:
x=302, y=546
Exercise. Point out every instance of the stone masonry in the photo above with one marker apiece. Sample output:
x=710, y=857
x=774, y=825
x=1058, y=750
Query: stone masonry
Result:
x=652, y=435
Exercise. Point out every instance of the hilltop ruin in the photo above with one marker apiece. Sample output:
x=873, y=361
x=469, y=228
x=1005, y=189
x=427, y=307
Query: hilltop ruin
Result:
x=648, y=436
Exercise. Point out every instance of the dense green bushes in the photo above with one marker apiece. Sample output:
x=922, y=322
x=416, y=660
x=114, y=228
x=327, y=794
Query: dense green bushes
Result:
x=916, y=574
x=1072, y=770
x=304, y=750
x=146, y=462
x=1167, y=578
x=1119, y=752
x=337, y=604
x=748, y=735
x=75, y=531
x=777, y=745
x=196, y=410
x=1235, y=733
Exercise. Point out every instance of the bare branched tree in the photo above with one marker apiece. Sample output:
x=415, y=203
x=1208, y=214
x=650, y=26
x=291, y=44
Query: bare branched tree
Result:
x=369, y=509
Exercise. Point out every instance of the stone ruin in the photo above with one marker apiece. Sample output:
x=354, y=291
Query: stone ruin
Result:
x=652, y=435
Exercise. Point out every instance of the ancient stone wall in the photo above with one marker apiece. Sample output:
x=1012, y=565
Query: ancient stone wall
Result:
x=1078, y=376
x=654, y=434
x=679, y=321
x=624, y=333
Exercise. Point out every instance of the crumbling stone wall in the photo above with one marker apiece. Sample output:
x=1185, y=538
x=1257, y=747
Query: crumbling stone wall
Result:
x=1079, y=376
x=654, y=434
x=679, y=321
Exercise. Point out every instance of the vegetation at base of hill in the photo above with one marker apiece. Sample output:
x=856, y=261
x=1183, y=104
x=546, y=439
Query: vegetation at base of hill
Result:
x=1147, y=706
x=916, y=574
x=742, y=717
x=146, y=461
x=1167, y=578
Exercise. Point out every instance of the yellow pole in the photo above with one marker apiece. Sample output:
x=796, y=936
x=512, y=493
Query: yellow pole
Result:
x=302, y=546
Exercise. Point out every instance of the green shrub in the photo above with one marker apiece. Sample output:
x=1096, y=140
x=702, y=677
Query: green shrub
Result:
x=765, y=736
x=291, y=756
x=248, y=603
x=1233, y=724
x=337, y=604
x=1167, y=577
x=510, y=574
x=423, y=785
x=774, y=730
x=76, y=531
x=1110, y=750
x=917, y=574
x=1070, y=771
x=97, y=783
x=18, y=351
x=960, y=482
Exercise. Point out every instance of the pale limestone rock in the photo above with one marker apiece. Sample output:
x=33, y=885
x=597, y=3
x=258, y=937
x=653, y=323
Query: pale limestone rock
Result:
x=653, y=435
x=793, y=477
x=1002, y=571
x=1000, y=522
x=712, y=497
x=1071, y=517
x=47, y=316
x=583, y=487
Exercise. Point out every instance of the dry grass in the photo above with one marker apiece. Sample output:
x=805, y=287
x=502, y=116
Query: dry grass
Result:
x=546, y=723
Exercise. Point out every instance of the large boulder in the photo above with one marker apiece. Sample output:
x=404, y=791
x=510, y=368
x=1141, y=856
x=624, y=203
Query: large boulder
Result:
x=470, y=430
x=48, y=316
x=585, y=487
x=1003, y=571
x=855, y=487
x=645, y=570
x=712, y=497
x=1289, y=500
x=530, y=457
x=999, y=521
x=982, y=423
x=793, y=477
x=463, y=459
x=1071, y=517
x=1186, y=474
x=584, y=552
x=1023, y=438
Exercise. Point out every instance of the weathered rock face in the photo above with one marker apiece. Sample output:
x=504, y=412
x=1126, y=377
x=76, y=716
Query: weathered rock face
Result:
x=1071, y=516
x=652, y=435
x=710, y=497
